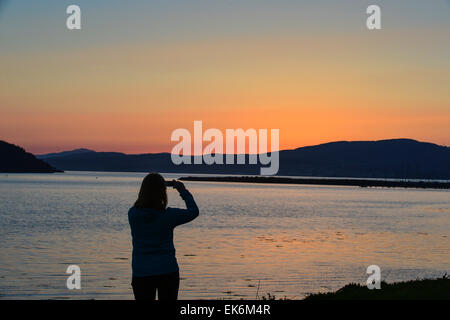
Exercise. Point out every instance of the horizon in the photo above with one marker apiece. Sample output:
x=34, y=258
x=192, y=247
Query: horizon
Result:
x=168, y=152
x=133, y=74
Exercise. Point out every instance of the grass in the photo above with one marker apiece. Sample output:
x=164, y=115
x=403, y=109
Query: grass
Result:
x=427, y=289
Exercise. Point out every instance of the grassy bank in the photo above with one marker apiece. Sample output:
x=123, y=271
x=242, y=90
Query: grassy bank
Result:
x=436, y=289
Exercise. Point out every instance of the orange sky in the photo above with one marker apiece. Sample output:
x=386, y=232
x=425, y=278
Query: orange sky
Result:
x=129, y=94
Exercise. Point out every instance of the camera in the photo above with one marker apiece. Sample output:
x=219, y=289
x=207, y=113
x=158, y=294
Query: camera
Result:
x=170, y=183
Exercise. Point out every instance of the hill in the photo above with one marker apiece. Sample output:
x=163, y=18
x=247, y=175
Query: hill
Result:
x=14, y=159
x=64, y=153
x=396, y=158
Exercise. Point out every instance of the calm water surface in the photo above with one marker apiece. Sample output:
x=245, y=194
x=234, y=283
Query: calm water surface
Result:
x=288, y=239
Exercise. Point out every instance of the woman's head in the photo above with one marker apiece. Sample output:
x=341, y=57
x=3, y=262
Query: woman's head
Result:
x=153, y=193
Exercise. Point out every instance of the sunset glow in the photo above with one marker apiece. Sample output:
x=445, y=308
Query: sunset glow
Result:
x=131, y=76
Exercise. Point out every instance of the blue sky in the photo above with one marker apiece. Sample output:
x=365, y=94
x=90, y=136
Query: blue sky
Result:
x=41, y=23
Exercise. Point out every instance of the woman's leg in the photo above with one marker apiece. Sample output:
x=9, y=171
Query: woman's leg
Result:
x=144, y=288
x=168, y=285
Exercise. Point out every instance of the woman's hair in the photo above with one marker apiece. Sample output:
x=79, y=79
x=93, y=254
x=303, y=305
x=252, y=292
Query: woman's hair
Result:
x=153, y=193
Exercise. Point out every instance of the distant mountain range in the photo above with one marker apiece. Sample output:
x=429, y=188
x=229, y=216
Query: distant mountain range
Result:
x=15, y=159
x=396, y=158
x=64, y=153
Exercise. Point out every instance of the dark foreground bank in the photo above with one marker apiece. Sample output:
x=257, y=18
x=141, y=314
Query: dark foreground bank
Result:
x=14, y=159
x=326, y=181
x=431, y=289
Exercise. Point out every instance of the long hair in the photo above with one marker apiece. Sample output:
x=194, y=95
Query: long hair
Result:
x=153, y=193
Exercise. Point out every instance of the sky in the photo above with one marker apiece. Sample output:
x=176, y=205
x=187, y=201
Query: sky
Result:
x=137, y=70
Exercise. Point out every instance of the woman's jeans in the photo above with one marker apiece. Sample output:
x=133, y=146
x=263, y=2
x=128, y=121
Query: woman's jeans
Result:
x=144, y=288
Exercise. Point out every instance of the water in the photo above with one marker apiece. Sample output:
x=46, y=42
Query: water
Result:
x=288, y=240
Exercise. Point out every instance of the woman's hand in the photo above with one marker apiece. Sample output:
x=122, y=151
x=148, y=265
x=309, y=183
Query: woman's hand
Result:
x=179, y=186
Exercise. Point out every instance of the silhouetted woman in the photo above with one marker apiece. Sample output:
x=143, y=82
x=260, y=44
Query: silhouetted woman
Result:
x=152, y=222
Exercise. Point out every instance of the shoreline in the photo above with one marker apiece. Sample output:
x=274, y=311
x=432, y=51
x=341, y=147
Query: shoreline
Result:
x=363, y=183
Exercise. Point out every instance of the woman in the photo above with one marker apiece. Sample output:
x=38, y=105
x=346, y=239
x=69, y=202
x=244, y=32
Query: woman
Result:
x=153, y=260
